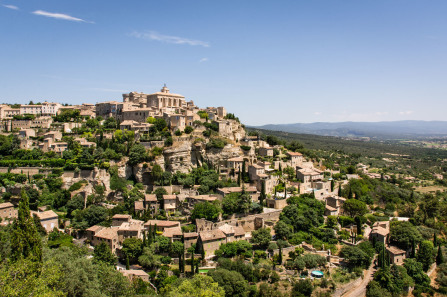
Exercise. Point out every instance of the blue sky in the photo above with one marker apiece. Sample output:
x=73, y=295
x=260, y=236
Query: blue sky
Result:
x=266, y=61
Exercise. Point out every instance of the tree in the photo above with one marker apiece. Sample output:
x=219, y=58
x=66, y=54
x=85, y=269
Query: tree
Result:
x=103, y=253
x=199, y=285
x=149, y=258
x=192, y=250
x=441, y=278
x=302, y=288
x=232, y=282
x=137, y=154
x=188, y=129
x=21, y=278
x=416, y=271
x=25, y=241
x=354, y=207
x=160, y=124
x=157, y=172
x=355, y=256
x=132, y=248
x=282, y=230
x=394, y=279
x=262, y=196
x=110, y=123
x=206, y=210
x=403, y=233
x=439, y=256
x=261, y=237
x=178, y=249
x=425, y=254
x=374, y=289
x=95, y=214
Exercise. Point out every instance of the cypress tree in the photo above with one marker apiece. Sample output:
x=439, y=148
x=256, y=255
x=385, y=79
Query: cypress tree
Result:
x=202, y=253
x=25, y=241
x=239, y=178
x=339, y=190
x=413, y=248
x=262, y=195
x=350, y=193
x=243, y=171
x=435, y=240
x=332, y=185
x=127, y=263
x=439, y=256
x=192, y=261
x=275, y=193
x=359, y=225
x=280, y=256
x=197, y=267
x=154, y=231
x=285, y=191
x=144, y=238
x=149, y=237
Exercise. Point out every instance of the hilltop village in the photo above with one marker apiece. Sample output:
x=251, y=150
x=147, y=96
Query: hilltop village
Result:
x=162, y=190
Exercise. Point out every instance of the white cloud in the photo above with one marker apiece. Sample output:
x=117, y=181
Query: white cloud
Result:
x=152, y=35
x=317, y=113
x=407, y=112
x=59, y=16
x=11, y=6
x=381, y=113
x=203, y=60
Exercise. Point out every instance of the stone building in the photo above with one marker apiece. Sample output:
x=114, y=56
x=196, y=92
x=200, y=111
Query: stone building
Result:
x=48, y=219
x=7, y=211
x=397, y=256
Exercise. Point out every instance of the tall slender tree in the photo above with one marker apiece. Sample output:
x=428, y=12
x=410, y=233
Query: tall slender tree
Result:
x=25, y=241
x=439, y=256
x=262, y=196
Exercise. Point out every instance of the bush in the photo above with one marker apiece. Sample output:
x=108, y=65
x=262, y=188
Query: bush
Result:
x=218, y=143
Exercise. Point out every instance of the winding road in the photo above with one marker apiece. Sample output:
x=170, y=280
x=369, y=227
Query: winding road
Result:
x=360, y=289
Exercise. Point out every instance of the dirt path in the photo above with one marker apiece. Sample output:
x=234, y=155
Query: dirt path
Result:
x=360, y=290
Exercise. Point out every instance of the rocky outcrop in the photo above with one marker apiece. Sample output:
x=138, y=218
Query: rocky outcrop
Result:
x=179, y=157
x=219, y=156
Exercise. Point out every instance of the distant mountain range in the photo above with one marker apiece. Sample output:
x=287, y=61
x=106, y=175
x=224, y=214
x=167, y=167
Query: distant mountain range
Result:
x=379, y=130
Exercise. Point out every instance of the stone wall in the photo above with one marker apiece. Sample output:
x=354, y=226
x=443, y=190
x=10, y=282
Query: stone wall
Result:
x=249, y=223
x=25, y=170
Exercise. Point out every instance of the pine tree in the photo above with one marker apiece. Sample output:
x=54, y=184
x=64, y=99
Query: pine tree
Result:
x=25, y=241
x=439, y=256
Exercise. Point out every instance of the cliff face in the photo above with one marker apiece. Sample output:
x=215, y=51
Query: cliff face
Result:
x=217, y=156
x=180, y=157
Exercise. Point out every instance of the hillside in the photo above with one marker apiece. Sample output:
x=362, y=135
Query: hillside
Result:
x=378, y=130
